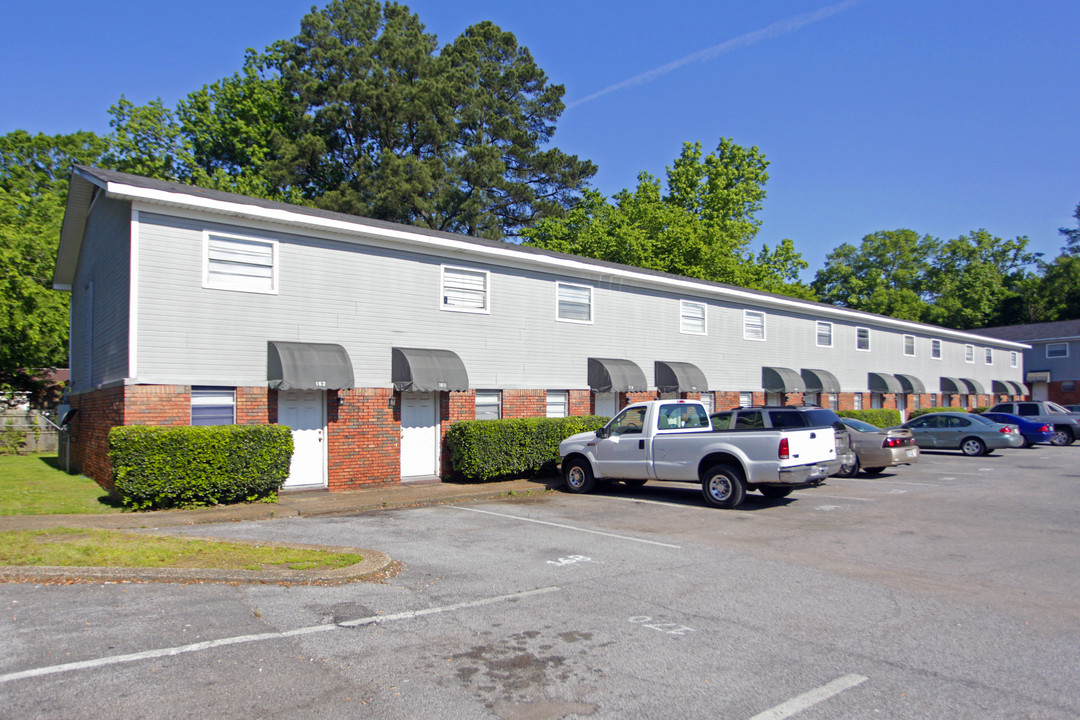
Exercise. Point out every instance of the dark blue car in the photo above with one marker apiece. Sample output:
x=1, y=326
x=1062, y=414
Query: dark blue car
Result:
x=1033, y=432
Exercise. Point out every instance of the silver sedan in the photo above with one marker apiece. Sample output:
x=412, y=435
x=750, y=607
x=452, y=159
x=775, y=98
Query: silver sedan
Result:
x=970, y=433
x=876, y=449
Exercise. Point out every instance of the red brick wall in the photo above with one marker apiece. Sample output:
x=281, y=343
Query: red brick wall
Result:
x=1056, y=394
x=253, y=406
x=453, y=407
x=98, y=412
x=580, y=402
x=165, y=405
x=364, y=438
x=524, y=403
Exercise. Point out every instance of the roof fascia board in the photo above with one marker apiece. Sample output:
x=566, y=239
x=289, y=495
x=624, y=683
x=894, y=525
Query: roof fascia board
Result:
x=577, y=267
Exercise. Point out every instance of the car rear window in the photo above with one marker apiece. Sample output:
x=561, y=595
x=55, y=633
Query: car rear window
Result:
x=789, y=418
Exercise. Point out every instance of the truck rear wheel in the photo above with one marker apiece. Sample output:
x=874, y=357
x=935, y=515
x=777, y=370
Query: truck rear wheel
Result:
x=723, y=487
x=578, y=476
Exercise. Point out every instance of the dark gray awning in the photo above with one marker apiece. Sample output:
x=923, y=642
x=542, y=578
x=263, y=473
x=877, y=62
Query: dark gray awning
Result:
x=679, y=377
x=781, y=380
x=1019, y=387
x=614, y=375
x=1001, y=387
x=911, y=385
x=883, y=383
x=424, y=370
x=974, y=386
x=953, y=385
x=307, y=366
x=820, y=381
x=1038, y=376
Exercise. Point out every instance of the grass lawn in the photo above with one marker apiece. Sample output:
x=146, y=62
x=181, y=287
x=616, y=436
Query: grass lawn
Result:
x=74, y=547
x=37, y=485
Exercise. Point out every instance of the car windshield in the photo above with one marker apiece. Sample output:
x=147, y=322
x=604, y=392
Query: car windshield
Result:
x=860, y=425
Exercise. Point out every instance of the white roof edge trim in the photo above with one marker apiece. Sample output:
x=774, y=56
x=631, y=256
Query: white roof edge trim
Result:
x=132, y=192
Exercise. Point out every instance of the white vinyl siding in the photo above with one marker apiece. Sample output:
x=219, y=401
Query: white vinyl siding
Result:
x=969, y=353
x=692, y=318
x=862, y=339
x=1057, y=350
x=213, y=406
x=753, y=325
x=464, y=290
x=236, y=263
x=488, y=404
x=935, y=349
x=574, y=303
x=824, y=334
x=558, y=403
x=909, y=345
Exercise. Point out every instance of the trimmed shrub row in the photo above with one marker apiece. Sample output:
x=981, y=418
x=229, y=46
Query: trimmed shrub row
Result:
x=881, y=417
x=488, y=449
x=159, y=467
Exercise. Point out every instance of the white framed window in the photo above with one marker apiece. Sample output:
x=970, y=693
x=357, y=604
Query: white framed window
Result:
x=824, y=334
x=988, y=355
x=746, y=399
x=909, y=345
x=1057, y=350
x=969, y=353
x=1014, y=359
x=856, y=401
x=833, y=400
x=213, y=406
x=935, y=349
x=465, y=290
x=862, y=339
x=753, y=325
x=811, y=398
x=239, y=263
x=574, y=303
x=877, y=401
x=558, y=403
x=692, y=319
x=488, y=404
x=708, y=400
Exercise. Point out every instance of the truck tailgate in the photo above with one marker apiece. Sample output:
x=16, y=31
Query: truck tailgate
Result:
x=809, y=445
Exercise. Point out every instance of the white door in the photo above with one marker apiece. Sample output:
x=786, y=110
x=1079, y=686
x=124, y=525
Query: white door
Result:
x=304, y=411
x=419, y=434
x=1040, y=391
x=605, y=404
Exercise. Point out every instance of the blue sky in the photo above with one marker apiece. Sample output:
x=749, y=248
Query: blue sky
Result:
x=942, y=117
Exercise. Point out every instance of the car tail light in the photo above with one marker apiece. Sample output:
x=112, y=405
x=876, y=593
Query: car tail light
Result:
x=893, y=442
x=1005, y=430
x=1044, y=428
x=785, y=449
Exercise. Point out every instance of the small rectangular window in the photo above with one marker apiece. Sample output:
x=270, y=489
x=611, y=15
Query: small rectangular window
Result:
x=692, y=317
x=746, y=399
x=464, y=290
x=558, y=403
x=753, y=325
x=824, y=334
x=989, y=355
x=969, y=353
x=909, y=345
x=834, y=401
x=574, y=303
x=1068, y=386
x=862, y=339
x=856, y=401
x=213, y=406
x=1014, y=359
x=235, y=263
x=935, y=349
x=488, y=404
x=707, y=400
x=1057, y=350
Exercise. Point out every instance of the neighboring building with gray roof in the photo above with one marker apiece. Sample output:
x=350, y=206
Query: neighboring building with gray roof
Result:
x=1052, y=363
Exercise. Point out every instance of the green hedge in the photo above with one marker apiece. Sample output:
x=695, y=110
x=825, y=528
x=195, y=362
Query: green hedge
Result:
x=923, y=411
x=487, y=449
x=159, y=467
x=881, y=417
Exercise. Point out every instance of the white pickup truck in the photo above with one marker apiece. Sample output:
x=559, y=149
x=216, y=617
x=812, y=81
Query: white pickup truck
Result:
x=674, y=440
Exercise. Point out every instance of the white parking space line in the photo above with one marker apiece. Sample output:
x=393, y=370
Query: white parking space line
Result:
x=882, y=481
x=566, y=527
x=652, y=502
x=812, y=494
x=240, y=639
x=813, y=697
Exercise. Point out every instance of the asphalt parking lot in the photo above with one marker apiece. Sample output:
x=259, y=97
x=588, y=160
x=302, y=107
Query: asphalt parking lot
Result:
x=945, y=589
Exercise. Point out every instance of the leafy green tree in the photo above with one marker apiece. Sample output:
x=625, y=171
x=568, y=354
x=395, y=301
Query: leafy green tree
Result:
x=886, y=274
x=974, y=279
x=701, y=228
x=34, y=172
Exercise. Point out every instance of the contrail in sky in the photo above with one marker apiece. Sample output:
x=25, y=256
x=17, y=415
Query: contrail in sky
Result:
x=781, y=27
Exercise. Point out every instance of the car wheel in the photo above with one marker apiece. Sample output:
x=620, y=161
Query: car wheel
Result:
x=849, y=470
x=578, y=476
x=723, y=486
x=873, y=470
x=1026, y=443
x=1062, y=436
x=771, y=491
x=973, y=446
x=634, y=483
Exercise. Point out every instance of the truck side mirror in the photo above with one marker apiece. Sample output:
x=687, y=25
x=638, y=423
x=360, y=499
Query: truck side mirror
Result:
x=602, y=433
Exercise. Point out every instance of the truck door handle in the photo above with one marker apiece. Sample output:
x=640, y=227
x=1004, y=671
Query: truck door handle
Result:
x=640, y=444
